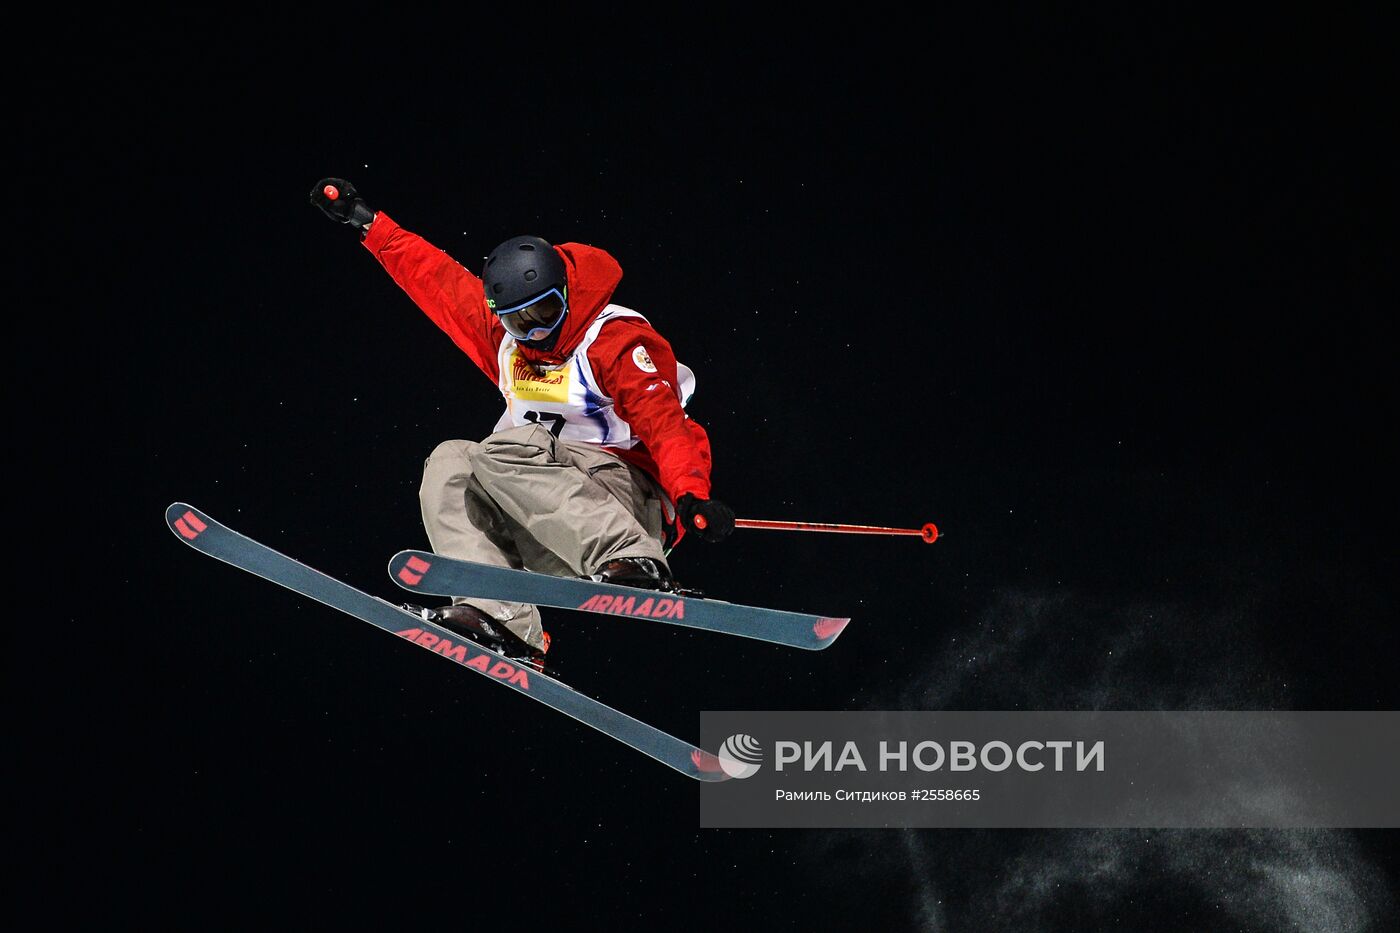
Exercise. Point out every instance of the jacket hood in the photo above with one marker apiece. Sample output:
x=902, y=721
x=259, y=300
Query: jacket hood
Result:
x=593, y=277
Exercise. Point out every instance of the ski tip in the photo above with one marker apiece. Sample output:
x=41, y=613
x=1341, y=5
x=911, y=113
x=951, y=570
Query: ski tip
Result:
x=826, y=630
x=185, y=521
x=407, y=567
x=707, y=766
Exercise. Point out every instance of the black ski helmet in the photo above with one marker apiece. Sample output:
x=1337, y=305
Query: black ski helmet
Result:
x=520, y=270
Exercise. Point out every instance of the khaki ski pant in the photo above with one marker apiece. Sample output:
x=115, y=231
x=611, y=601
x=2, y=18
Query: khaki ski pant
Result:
x=523, y=498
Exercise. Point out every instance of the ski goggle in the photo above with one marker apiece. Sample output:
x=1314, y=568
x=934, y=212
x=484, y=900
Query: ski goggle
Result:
x=537, y=318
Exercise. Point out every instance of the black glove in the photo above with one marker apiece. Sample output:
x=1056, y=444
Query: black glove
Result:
x=711, y=519
x=339, y=199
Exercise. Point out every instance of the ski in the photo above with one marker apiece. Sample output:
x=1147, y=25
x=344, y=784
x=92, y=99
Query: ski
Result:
x=425, y=572
x=208, y=536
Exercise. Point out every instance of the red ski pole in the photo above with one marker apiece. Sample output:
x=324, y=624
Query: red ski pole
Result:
x=929, y=532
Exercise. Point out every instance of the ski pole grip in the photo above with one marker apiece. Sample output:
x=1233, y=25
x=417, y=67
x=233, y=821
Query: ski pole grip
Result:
x=330, y=192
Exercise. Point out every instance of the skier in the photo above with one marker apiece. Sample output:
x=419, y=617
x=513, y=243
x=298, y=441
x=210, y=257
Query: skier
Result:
x=594, y=469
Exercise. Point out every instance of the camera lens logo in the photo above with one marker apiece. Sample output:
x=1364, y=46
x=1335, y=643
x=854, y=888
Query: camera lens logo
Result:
x=741, y=756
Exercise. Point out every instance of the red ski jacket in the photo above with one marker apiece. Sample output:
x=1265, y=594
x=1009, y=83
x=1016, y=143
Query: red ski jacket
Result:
x=674, y=448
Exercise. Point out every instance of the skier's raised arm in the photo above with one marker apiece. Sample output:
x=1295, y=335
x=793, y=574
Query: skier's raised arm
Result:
x=449, y=294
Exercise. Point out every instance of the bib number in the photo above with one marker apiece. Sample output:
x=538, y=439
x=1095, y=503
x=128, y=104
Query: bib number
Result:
x=554, y=423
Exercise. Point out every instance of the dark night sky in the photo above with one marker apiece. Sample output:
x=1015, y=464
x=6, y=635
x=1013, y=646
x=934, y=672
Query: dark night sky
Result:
x=1101, y=298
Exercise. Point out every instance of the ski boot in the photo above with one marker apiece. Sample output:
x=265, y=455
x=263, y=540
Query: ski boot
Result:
x=642, y=572
x=470, y=622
